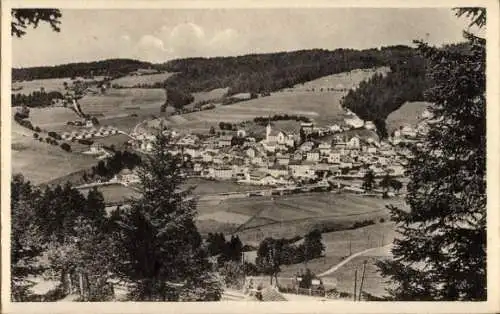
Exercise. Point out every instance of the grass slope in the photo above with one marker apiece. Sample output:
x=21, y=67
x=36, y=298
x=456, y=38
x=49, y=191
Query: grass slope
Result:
x=407, y=114
x=133, y=80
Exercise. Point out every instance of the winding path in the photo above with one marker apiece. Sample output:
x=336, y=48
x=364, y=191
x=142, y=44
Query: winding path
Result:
x=347, y=260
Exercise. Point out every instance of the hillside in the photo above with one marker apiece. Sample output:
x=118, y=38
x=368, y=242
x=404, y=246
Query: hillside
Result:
x=407, y=114
x=274, y=71
x=110, y=67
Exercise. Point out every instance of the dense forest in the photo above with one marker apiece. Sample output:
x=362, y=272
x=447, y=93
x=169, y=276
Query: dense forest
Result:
x=111, y=67
x=35, y=99
x=260, y=73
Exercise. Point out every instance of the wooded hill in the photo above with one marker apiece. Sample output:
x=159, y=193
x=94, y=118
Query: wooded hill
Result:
x=259, y=73
x=111, y=67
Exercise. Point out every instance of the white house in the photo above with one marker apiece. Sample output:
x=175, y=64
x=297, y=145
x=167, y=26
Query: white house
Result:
x=334, y=157
x=306, y=146
x=335, y=128
x=251, y=152
x=324, y=148
x=408, y=131
x=354, y=122
x=369, y=125
x=277, y=171
x=301, y=170
x=222, y=173
x=283, y=159
x=224, y=141
x=313, y=155
x=354, y=143
x=241, y=133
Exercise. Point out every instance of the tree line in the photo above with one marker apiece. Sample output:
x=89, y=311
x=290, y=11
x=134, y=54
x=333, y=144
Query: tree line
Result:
x=111, y=67
x=35, y=99
x=264, y=73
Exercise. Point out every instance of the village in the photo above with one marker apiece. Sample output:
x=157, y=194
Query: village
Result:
x=314, y=155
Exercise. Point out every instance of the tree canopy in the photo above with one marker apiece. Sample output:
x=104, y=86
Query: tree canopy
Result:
x=22, y=18
x=441, y=254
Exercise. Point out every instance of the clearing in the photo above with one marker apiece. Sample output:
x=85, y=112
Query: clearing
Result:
x=346, y=80
x=408, y=114
x=134, y=80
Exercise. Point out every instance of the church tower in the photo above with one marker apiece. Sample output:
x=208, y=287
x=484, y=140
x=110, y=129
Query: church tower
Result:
x=268, y=130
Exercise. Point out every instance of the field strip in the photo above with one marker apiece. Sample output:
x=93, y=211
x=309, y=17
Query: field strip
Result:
x=347, y=260
x=251, y=219
x=303, y=219
x=297, y=207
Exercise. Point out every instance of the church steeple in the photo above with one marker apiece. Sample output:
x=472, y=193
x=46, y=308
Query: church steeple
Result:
x=268, y=128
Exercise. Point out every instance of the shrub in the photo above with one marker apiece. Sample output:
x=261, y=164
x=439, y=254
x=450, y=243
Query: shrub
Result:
x=382, y=220
x=37, y=129
x=35, y=135
x=66, y=147
x=85, y=142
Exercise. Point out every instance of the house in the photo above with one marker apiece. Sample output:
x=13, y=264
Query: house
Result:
x=313, y=155
x=221, y=173
x=197, y=168
x=278, y=171
x=301, y=170
x=307, y=127
x=189, y=139
x=408, y=131
x=306, y=146
x=369, y=125
x=396, y=170
x=354, y=122
x=297, y=156
x=207, y=156
x=354, y=143
x=194, y=153
x=96, y=148
x=241, y=133
x=224, y=141
x=354, y=153
x=283, y=160
x=335, y=128
x=334, y=158
x=259, y=161
x=324, y=148
x=250, y=152
x=146, y=146
x=126, y=176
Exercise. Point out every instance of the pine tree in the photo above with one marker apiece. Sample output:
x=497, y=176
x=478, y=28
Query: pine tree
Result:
x=269, y=257
x=441, y=253
x=26, y=238
x=162, y=253
x=313, y=246
x=368, y=180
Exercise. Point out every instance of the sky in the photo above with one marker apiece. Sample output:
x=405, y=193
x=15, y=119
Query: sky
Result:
x=160, y=35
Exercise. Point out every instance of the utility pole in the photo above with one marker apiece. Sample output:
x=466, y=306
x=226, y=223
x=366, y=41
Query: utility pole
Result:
x=355, y=282
x=362, y=281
